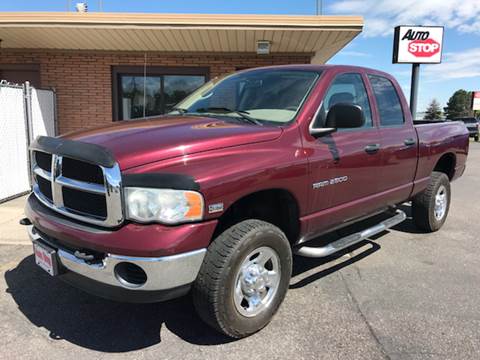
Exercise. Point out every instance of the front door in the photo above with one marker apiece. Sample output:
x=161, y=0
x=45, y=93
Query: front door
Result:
x=344, y=165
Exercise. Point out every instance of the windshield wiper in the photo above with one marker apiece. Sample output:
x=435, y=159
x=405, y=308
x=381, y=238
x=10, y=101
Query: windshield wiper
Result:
x=180, y=110
x=223, y=110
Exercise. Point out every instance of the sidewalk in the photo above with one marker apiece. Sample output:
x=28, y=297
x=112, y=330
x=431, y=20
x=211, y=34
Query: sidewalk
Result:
x=11, y=232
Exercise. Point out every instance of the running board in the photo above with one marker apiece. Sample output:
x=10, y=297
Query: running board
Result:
x=340, y=244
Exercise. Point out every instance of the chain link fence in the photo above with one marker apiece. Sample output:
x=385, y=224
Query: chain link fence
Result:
x=25, y=113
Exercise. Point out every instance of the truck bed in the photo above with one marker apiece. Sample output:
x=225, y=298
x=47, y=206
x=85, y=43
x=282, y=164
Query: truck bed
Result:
x=437, y=138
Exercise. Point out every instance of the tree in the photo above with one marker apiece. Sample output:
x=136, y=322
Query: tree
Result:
x=433, y=111
x=459, y=104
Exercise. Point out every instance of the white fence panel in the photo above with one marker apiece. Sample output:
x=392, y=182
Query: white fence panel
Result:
x=43, y=113
x=14, y=174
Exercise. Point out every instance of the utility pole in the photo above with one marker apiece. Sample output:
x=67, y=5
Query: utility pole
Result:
x=68, y=5
x=319, y=7
x=100, y=5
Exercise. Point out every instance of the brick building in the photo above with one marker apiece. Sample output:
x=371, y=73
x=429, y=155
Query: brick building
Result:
x=108, y=67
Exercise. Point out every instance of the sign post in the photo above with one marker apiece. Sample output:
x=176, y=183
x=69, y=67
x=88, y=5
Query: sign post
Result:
x=414, y=89
x=417, y=45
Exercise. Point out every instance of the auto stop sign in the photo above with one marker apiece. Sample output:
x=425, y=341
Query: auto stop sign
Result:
x=418, y=44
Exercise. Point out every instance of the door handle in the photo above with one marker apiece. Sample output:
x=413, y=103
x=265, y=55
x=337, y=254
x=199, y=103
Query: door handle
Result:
x=409, y=142
x=372, y=148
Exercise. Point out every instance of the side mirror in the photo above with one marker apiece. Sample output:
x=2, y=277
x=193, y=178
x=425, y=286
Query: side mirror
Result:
x=343, y=115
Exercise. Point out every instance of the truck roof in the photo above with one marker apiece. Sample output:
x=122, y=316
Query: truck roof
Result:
x=318, y=68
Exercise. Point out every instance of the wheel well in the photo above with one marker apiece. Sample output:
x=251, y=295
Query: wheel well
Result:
x=446, y=165
x=276, y=206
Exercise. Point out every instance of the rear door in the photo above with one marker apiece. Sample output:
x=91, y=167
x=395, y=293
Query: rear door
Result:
x=399, y=145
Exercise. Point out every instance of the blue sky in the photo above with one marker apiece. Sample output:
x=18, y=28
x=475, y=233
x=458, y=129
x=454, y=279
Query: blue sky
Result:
x=461, y=55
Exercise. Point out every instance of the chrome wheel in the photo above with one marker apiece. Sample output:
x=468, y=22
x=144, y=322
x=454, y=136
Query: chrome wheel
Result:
x=257, y=281
x=441, y=201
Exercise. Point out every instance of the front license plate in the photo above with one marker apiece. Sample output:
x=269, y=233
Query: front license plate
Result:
x=46, y=258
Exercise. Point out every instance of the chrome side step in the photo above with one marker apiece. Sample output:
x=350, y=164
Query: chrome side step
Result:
x=352, y=239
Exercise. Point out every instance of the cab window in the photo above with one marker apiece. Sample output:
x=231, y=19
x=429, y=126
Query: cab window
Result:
x=388, y=103
x=345, y=88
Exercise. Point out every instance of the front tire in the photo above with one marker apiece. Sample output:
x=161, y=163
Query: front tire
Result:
x=430, y=207
x=244, y=278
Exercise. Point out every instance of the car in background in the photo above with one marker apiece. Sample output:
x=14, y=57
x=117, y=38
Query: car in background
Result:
x=472, y=125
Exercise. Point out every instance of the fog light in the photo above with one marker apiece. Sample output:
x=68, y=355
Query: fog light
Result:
x=130, y=275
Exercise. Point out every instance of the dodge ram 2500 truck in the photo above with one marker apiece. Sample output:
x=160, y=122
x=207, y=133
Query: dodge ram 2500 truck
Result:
x=215, y=196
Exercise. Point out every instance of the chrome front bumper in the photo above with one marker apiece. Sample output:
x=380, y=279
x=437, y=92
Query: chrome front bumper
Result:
x=163, y=273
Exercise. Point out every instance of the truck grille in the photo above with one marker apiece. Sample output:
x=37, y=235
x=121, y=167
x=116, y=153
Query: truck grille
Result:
x=45, y=187
x=43, y=160
x=79, y=170
x=84, y=202
x=78, y=189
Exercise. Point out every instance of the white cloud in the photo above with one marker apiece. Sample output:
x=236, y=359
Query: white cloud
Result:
x=382, y=15
x=461, y=65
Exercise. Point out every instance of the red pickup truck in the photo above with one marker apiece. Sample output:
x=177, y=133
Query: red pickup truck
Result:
x=215, y=196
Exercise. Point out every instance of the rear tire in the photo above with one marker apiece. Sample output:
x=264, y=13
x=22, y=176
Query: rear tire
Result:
x=234, y=293
x=476, y=138
x=430, y=207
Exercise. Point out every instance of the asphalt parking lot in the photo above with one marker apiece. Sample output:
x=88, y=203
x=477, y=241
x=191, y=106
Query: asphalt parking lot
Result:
x=405, y=295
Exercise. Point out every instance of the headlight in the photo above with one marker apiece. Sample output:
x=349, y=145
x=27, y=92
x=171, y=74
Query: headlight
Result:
x=163, y=205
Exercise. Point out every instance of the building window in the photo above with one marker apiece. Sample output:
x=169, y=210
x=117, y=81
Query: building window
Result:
x=20, y=73
x=138, y=96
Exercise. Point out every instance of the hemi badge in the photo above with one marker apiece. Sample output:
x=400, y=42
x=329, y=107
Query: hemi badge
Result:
x=214, y=208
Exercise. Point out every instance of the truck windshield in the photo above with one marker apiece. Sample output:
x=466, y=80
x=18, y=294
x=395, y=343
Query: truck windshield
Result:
x=258, y=96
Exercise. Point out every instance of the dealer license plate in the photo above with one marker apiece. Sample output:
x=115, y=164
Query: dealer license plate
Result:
x=46, y=258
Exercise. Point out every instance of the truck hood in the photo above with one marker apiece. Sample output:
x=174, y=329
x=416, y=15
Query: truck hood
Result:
x=139, y=142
